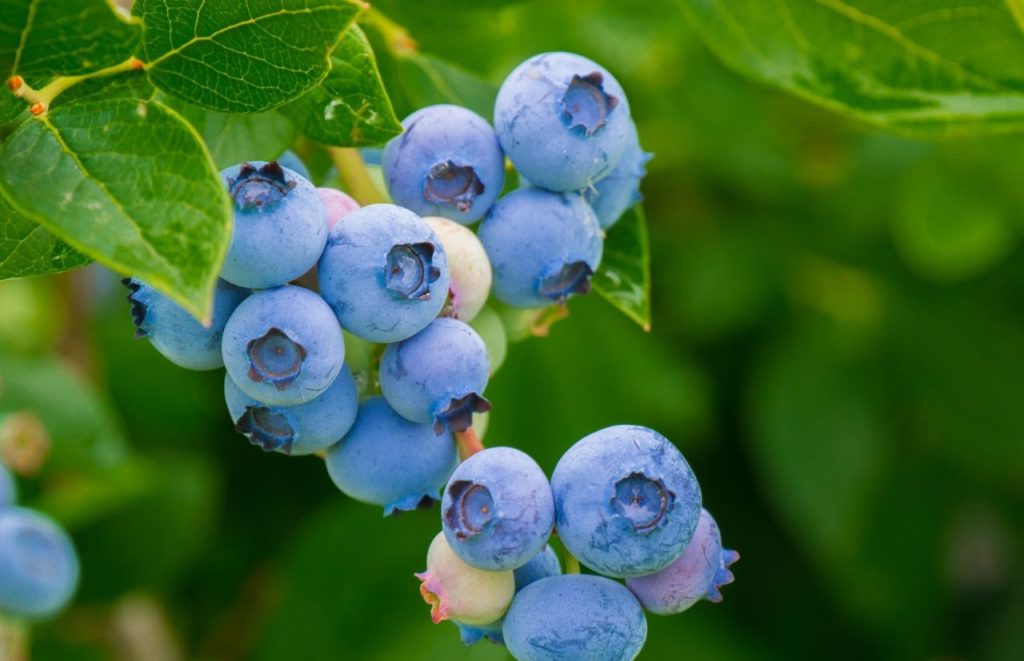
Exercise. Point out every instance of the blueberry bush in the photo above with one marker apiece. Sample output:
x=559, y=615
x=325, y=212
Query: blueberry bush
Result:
x=382, y=220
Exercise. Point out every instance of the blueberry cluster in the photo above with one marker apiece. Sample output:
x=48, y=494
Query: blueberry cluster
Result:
x=373, y=363
x=622, y=501
x=38, y=563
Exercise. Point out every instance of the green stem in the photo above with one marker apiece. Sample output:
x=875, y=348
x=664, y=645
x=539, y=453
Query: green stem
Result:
x=41, y=99
x=14, y=638
x=396, y=38
x=354, y=175
x=572, y=565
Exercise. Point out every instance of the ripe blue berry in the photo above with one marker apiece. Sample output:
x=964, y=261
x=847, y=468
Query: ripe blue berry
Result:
x=497, y=511
x=38, y=565
x=280, y=225
x=387, y=460
x=291, y=161
x=626, y=501
x=697, y=574
x=460, y=592
x=447, y=163
x=613, y=195
x=575, y=617
x=283, y=346
x=469, y=270
x=296, y=430
x=563, y=120
x=174, y=332
x=384, y=273
x=437, y=376
x=543, y=246
x=8, y=489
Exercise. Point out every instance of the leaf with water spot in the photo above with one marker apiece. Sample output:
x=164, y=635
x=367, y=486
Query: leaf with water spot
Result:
x=128, y=183
x=350, y=108
x=624, y=277
x=926, y=67
x=241, y=56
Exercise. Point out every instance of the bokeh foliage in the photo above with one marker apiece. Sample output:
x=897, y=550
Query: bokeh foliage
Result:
x=837, y=347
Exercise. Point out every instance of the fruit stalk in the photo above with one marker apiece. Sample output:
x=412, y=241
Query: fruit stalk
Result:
x=353, y=173
x=14, y=637
x=469, y=443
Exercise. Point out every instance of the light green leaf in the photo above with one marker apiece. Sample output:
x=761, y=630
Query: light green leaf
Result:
x=233, y=139
x=624, y=277
x=27, y=249
x=241, y=56
x=129, y=85
x=903, y=66
x=129, y=184
x=428, y=80
x=350, y=108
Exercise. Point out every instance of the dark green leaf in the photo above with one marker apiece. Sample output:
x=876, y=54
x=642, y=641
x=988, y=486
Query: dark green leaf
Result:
x=233, y=139
x=428, y=80
x=27, y=249
x=241, y=56
x=902, y=66
x=129, y=184
x=350, y=108
x=624, y=277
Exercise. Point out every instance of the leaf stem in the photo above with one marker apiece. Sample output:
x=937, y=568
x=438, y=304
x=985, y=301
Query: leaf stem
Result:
x=354, y=175
x=572, y=565
x=40, y=100
x=14, y=639
x=469, y=443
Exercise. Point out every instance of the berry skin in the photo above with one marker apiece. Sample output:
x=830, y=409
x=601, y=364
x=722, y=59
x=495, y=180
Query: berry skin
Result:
x=497, y=511
x=697, y=574
x=543, y=565
x=543, y=246
x=8, y=489
x=384, y=272
x=387, y=460
x=437, y=376
x=174, y=332
x=280, y=225
x=469, y=270
x=460, y=592
x=575, y=616
x=447, y=163
x=291, y=161
x=563, y=121
x=626, y=501
x=296, y=430
x=337, y=204
x=613, y=195
x=283, y=346
x=38, y=565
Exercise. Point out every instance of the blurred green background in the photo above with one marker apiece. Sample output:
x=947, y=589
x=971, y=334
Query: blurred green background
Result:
x=837, y=347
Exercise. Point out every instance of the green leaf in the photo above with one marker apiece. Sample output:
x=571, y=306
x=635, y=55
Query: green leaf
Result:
x=129, y=184
x=428, y=80
x=899, y=65
x=624, y=277
x=350, y=108
x=241, y=56
x=27, y=249
x=233, y=139
x=40, y=39
x=129, y=85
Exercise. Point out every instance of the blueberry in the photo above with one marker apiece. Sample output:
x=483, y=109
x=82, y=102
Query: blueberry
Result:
x=613, y=195
x=469, y=269
x=697, y=574
x=543, y=246
x=437, y=376
x=283, y=346
x=460, y=592
x=447, y=163
x=384, y=273
x=626, y=501
x=174, y=332
x=497, y=511
x=575, y=617
x=38, y=565
x=8, y=488
x=337, y=204
x=296, y=430
x=563, y=121
x=291, y=161
x=387, y=460
x=542, y=565
x=280, y=225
